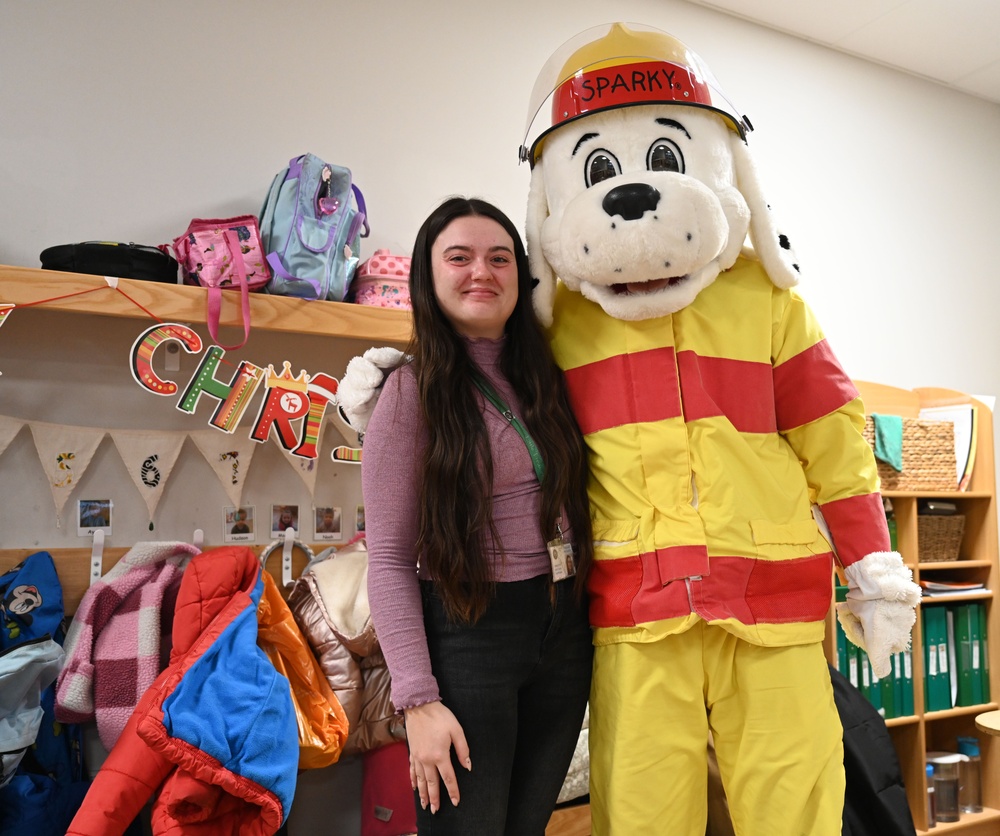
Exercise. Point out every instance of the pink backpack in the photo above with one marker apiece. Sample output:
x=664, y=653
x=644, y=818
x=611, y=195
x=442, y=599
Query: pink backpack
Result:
x=223, y=254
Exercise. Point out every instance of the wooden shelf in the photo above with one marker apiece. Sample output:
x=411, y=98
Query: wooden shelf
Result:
x=183, y=303
x=986, y=823
x=938, y=494
x=959, y=711
x=954, y=564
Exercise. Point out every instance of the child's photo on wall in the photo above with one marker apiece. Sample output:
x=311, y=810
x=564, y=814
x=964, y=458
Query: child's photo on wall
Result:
x=284, y=517
x=329, y=524
x=238, y=525
x=93, y=515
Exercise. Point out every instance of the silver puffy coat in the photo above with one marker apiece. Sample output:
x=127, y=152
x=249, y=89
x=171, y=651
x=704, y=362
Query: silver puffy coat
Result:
x=330, y=605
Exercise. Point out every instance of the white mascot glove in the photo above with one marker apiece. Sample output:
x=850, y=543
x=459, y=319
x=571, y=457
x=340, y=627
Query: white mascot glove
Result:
x=358, y=390
x=880, y=608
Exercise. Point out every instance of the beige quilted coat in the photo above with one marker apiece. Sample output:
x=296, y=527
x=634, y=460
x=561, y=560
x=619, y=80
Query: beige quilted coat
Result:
x=330, y=605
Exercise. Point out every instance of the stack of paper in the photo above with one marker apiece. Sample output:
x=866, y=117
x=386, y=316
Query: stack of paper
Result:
x=934, y=588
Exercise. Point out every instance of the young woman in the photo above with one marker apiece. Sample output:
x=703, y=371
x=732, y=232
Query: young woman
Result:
x=474, y=477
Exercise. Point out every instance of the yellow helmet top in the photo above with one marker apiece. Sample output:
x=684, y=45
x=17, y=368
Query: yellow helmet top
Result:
x=620, y=65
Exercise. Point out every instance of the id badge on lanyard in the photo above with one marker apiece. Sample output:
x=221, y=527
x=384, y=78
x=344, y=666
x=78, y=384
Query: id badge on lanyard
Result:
x=561, y=557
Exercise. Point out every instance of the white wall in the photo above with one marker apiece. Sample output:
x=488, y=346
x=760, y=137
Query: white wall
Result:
x=122, y=121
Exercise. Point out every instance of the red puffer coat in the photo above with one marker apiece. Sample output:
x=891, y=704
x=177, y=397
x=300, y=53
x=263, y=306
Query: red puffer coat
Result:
x=216, y=731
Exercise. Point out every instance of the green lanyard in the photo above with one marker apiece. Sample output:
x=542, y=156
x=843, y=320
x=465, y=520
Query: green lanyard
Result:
x=491, y=395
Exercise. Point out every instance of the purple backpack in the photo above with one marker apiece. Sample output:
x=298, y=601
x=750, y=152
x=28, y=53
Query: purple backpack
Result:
x=311, y=225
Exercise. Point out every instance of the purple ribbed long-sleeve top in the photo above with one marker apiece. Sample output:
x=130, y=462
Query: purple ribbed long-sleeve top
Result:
x=390, y=475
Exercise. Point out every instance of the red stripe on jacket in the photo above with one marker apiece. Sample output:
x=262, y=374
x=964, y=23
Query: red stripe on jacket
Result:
x=628, y=591
x=605, y=394
x=752, y=396
x=643, y=387
x=810, y=385
x=740, y=390
x=860, y=515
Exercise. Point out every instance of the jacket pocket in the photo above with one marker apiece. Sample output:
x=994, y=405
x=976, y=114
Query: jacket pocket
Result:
x=615, y=539
x=786, y=540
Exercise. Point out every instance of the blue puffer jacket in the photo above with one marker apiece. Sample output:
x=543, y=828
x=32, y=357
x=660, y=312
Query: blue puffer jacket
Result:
x=216, y=729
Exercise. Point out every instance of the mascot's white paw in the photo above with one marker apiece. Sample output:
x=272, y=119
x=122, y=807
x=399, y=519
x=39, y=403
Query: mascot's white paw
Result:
x=879, y=612
x=359, y=388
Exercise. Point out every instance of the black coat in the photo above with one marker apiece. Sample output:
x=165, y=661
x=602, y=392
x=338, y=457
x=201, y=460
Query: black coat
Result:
x=875, y=802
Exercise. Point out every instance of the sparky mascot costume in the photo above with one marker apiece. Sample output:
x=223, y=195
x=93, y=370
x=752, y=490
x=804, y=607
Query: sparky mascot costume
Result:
x=728, y=467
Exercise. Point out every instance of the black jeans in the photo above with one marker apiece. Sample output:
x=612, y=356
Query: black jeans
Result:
x=518, y=682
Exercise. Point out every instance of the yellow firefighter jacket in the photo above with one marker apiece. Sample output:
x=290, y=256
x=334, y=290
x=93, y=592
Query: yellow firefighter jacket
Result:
x=712, y=433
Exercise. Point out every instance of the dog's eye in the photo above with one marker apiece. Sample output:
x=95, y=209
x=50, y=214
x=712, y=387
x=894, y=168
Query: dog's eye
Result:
x=601, y=165
x=664, y=155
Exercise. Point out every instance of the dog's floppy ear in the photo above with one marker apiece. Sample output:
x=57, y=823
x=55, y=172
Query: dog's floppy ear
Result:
x=538, y=210
x=771, y=245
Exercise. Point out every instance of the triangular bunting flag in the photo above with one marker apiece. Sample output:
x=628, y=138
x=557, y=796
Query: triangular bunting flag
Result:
x=65, y=453
x=9, y=427
x=149, y=457
x=229, y=456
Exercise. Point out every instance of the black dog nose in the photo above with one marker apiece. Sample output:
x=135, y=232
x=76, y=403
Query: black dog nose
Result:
x=631, y=200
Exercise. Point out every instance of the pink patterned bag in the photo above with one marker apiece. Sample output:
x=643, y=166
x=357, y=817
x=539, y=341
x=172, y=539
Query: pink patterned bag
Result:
x=383, y=281
x=223, y=254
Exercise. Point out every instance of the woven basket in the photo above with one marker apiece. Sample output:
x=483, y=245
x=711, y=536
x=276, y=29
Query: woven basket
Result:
x=939, y=538
x=928, y=457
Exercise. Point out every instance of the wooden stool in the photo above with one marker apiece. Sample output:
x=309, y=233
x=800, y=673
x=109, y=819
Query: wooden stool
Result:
x=989, y=722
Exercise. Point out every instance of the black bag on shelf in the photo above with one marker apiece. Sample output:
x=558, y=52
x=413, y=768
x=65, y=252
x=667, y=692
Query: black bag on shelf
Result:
x=110, y=258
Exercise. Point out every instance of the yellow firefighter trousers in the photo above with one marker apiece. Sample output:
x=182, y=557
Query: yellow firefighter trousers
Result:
x=778, y=736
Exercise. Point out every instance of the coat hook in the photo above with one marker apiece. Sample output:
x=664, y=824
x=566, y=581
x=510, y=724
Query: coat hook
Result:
x=286, y=557
x=97, y=556
x=287, y=543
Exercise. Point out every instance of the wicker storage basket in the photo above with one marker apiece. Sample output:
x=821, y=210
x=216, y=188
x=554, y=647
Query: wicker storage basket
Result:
x=928, y=457
x=939, y=538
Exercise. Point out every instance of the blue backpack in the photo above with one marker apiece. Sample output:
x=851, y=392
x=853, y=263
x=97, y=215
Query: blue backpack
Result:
x=311, y=227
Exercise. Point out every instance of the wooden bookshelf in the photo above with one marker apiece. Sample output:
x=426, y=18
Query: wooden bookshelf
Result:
x=927, y=731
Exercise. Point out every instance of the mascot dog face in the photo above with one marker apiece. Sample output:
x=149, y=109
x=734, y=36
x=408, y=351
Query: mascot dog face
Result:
x=643, y=207
x=640, y=201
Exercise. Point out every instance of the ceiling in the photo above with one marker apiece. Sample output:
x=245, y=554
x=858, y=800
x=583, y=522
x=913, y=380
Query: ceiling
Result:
x=956, y=44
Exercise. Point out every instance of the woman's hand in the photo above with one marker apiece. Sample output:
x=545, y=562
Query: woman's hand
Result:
x=431, y=732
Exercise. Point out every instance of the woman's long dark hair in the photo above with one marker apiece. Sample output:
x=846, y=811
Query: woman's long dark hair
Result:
x=455, y=526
